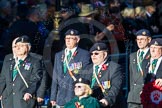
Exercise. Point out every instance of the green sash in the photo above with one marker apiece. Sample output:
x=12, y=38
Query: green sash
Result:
x=68, y=60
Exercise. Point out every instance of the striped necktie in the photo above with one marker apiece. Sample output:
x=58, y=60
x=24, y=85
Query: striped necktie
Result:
x=141, y=56
x=154, y=62
x=93, y=77
x=140, y=60
x=69, y=56
x=15, y=71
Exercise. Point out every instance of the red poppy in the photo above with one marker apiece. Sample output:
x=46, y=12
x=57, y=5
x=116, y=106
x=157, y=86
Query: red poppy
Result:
x=147, y=57
x=75, y=53
x=104, y=67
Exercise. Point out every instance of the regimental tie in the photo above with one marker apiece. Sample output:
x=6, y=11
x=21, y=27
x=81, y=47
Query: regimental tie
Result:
x=154, y=62
x=140, y=60
x=93, y=77
x=69, y=56
x=68, y=60
x=15, y=71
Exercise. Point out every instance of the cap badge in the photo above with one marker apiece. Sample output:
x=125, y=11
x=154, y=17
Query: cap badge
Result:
x=98, y=47
x=22, y=40
x=143, y=33
x=80, y=79
x=72, y=32
x=156, y=43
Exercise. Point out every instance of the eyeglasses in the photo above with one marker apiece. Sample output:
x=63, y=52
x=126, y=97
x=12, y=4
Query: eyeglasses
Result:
x=14, y=47
x=78, y=86
x=96, y=53
x=141, y=39
x=21, y=45
x=72, y=38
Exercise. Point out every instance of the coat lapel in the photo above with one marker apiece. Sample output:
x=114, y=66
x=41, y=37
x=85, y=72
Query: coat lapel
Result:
x=159, y=71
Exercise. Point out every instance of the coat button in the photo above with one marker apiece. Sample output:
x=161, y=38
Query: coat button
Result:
x=13, y=84
x=13, y=93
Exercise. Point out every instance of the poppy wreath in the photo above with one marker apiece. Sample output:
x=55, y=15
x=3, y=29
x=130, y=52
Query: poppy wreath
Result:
x=151, y=96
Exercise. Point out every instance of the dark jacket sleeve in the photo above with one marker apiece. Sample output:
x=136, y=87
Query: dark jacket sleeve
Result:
x=2, y=78
x=43, y=83
x=54, y=85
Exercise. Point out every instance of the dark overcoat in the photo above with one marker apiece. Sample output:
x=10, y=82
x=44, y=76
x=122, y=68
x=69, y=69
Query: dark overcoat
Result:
x=136, y=79
x=12, y=91
x=112, y=73
x=62, y=90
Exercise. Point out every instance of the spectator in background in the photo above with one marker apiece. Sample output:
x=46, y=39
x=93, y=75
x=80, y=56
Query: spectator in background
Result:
x=151, y=20
x=129, y=22
x=140, y=18
x=24, y=17
x=130, y=26
x=69, y=21
x=5, y=16
x=112, y=21
x=92, y=30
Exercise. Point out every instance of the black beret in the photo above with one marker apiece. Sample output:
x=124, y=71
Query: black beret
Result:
x=143, y=32
x=72, y=32
x=83, y=80
x=99, y=47
x=23, y=39
x=157, y=42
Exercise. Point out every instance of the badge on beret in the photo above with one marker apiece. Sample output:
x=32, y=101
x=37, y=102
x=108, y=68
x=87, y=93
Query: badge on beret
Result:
x=71, y=32
x=143, y=33
x=155, y=43
x=80, y=79
x=22, y=40
x=98, y=47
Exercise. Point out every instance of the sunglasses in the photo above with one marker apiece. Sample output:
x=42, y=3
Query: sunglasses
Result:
x=78, y=86
x=96, y=53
